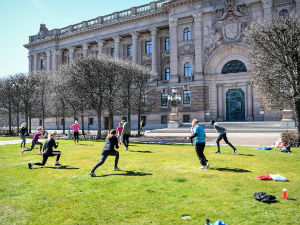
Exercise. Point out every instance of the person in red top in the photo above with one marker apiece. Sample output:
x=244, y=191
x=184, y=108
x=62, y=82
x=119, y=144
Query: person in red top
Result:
x=119, y=131
x=75, y=127
x=35, y=140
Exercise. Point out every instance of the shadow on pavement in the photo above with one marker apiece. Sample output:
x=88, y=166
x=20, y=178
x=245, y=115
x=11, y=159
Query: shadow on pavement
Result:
x=128, y=173
x=235, y=170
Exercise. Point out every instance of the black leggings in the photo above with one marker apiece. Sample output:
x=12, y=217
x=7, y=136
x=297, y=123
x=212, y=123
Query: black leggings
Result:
x=126, y=140
x=76, y=136
x=104, y=156
x=226, y=141
x=33, y=144
x=46, y=156
x=199, y=150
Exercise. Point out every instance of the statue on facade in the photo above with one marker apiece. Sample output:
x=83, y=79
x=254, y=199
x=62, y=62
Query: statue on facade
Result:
x=43, y=32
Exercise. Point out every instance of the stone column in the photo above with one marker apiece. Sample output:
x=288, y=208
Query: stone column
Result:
x=250, y=101
x=71, y=54
x=34, y=61
x=267, y=6
x=29, y=63
x=48, y=60
x=134, y=47
x=117, y=46
x=173, y=49
x=54, y=55
x=298, y=7
x=85, y=50
x=100, y=47
x=198, y=47
x=154, y=49
x=220, y=115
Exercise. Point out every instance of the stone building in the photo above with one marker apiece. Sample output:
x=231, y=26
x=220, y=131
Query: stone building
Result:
x=197, y=46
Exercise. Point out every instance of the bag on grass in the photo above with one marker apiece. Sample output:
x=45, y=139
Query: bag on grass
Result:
x=264, y=197
x=278, y=177
x=264, y=177
x=264, y=148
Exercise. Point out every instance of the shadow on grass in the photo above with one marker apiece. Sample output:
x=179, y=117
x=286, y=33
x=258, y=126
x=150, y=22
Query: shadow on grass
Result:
x=246, y=154
x=291, y=199
x=235, y=170
x=128, y=173
x=141, y=151
x=63, y=168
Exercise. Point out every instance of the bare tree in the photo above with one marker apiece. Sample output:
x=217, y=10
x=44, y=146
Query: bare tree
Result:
x=275, y=59
x=6, y=100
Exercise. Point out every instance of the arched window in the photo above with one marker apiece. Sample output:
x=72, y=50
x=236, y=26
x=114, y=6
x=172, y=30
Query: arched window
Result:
x=187, y=34
x=234, y=66
x=65, y=57
x=187, y=70
x=283, y=14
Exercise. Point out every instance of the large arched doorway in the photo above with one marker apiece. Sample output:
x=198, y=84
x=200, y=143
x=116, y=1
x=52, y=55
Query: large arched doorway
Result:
x=235, y=105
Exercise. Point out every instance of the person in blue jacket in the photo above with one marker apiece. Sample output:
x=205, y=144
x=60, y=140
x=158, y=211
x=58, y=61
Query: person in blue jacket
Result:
x=199, y=139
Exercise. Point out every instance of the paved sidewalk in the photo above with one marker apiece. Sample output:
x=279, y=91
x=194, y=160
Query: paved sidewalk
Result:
x=13, y=142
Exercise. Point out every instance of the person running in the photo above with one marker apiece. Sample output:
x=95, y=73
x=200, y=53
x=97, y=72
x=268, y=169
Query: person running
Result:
x=126, y=134
x=50, y=144
x=111, y=142
x=35, y=141
x=75, y=127
x=23, y=132
x=199, y=139
x=222, y=135
x=119, y=131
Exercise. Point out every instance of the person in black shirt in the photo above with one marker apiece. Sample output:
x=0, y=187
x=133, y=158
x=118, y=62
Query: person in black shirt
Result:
x=48, y=152
x=111, y=142
x=23, y=132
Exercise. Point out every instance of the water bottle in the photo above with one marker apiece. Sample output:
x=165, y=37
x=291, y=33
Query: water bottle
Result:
x=284, y=193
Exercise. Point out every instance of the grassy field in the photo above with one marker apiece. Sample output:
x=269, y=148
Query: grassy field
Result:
x=3, y=138
x=157, y=185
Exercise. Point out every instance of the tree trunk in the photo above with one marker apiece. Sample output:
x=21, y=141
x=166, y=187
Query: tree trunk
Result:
x=139, y=122
x=111, y=119
x=99, y=129
x=29, y=121
x=82, y=124
x=297, y=109
x=64, y=125
x=26, y=118
x=18, y=121
x=9, y=119
x=129, y=113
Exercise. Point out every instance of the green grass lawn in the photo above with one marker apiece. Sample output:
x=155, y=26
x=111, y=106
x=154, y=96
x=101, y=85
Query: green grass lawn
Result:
x=2, y=138
x=157, y=185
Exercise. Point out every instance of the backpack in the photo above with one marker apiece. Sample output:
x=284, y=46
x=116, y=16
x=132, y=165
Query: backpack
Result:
x=264, y=197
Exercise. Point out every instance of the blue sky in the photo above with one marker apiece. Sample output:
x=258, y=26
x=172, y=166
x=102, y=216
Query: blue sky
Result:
x=22, y=18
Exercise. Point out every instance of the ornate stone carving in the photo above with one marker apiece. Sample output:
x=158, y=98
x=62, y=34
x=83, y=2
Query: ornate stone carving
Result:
x=44, y=32
x=267, y=3
x=186, y=49
x=173, y=22
x=197, y=17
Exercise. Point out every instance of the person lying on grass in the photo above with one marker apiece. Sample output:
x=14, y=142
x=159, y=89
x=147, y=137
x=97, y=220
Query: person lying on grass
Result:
x=49, y=152
x=111, y=142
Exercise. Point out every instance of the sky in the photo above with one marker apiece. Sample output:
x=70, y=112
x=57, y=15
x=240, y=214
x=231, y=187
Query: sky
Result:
x=21, y=18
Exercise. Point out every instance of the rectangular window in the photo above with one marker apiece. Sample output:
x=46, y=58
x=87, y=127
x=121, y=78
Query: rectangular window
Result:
x=186, y=118
x=91, y=121
x=164, y=99
x=167, y=44
x=129, y=50
x=124, y=118
x=164, y=119
x=149, y=79
x=43, y=64
x=186, y=97
x=148, y=47
x=144, y=101
x=144, y=119
x=112, y=52
x=167, y=73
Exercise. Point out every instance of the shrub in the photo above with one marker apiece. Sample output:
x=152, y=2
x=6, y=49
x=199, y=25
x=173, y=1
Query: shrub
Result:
x=290, y=137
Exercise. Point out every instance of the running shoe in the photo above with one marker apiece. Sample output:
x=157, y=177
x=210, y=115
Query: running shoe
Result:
x=217, y=152
x=30, y=165
x=92, y=174
x=235, y=151
x=41, y=153
x=22, y=152
x=207, y=164
x=126, y=149
x=116, y=169
x=57, y=164
x=203, y=167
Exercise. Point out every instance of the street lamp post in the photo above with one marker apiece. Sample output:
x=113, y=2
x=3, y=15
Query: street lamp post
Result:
x=174, y=100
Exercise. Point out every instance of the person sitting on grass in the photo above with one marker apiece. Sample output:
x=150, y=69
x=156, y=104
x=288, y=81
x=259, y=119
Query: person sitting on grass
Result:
x=50, y=144
x=111, y=142
x=35, y=141
x=199, y=137
x=222, y=134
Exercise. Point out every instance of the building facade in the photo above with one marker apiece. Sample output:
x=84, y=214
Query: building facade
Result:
x=197, y=46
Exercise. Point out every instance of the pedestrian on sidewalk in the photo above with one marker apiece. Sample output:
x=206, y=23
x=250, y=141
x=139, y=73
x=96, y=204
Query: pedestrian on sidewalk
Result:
x=199, y=139
x=75, y=127
x=111, y=142
x=35, y=141
x=23, y=132
x=49, y=145
x=222, y=135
